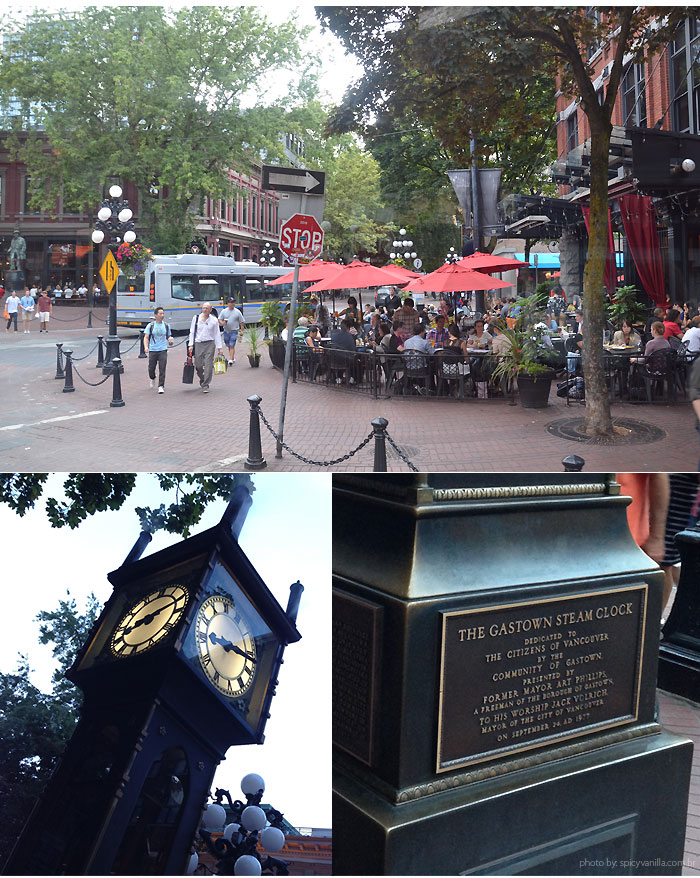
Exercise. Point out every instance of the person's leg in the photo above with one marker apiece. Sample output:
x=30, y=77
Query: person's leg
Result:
x=14, y=317
x=207, y=364
x=232, y=347
x=152, y=360
x=162, y=364
x=199, y=361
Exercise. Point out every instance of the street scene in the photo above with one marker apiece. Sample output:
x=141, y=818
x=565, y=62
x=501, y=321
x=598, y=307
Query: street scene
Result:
x=404, y=283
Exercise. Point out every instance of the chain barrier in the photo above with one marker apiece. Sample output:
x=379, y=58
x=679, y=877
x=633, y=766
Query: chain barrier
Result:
x=90, y=383
x=400, y=453
x=131, y=348
x=78, y=359
x=67, y=319
x=308, y=460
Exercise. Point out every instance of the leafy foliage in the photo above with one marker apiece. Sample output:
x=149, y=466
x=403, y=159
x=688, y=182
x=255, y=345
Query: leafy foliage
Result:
x=34, y=725
x=526, y=351
x=88, y=493
x=625, y=306
x=167, y=99
x=272, y=317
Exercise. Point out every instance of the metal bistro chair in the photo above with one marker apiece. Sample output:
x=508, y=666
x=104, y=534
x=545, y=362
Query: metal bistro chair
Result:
x=340, y=364
x=451, y=368
x=659, y=368
x=682, y=360
x=416, y=374
x=393, y=366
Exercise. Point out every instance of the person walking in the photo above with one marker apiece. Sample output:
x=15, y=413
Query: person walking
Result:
x=232, y=322
x=11, y=307
x=45, y=306
x=205, y=337
x=27, y=307
x=156, y=340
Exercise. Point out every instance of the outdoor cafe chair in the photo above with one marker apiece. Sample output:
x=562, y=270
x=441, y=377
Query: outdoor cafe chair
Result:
x=451, y=369
x=416, y=375
x=656, y=371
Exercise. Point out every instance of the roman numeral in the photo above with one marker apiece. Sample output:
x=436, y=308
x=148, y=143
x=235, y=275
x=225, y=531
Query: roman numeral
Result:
x=206, y=659
x=216, y=676
x=229, y=686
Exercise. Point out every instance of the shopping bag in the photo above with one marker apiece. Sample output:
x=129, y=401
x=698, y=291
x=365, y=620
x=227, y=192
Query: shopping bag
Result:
x=220, y=365
x=5, y=315
x=188, y=371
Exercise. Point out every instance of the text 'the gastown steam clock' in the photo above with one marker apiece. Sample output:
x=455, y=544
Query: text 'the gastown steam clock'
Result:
x=181, y=665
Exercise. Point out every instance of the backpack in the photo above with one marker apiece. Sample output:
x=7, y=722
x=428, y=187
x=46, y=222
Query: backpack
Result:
x=167, y=330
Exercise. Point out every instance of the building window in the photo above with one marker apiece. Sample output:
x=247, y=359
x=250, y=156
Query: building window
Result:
x=222, y=209
x=572, y=131
x=234, y=209
x=245, y=211
x=254, y=213
x=634, y=102
x=685, y=78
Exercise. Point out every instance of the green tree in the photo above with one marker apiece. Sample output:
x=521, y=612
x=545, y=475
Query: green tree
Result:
x=167, y=99
x=88, y=493
x=485, y=59
x=34, y=725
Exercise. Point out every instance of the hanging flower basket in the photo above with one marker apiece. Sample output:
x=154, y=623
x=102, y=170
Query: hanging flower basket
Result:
x=132, y=259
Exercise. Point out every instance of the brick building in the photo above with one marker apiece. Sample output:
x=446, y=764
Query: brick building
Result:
x=656, y=127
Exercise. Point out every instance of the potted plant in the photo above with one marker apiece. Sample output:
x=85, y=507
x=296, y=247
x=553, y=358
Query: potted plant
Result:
x=133, y=258
x=253, y=337
x=272, y=318
x=523, y=358
x=624, y=306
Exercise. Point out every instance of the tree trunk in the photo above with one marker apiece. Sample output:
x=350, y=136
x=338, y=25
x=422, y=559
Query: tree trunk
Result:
x=598, y=420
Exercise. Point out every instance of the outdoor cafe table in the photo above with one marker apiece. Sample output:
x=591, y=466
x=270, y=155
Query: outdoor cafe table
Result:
x=618, y=362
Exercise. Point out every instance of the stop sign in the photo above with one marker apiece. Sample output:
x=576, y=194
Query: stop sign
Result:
x=301, y=237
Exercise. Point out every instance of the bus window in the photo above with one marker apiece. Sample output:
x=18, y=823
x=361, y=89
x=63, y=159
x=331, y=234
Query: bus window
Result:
x=278, y=291
x=184, y=288
x=254, y=289
x=131, y=284
x=227, y=288
x=209, y=289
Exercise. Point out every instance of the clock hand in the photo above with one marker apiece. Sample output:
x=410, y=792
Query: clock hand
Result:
x=231, y=647
x=147, y=619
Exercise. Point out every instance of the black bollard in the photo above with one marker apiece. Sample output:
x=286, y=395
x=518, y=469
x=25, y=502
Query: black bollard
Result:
x=59, y=361
x=142, y=349
x=255, y=460
x=573, y=463
x=379, y=426
x=89, y=326
x=117, y=400
x=68, y=386
x=100, y=353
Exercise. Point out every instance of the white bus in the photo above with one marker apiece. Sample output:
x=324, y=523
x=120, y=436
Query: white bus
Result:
x=180, y=284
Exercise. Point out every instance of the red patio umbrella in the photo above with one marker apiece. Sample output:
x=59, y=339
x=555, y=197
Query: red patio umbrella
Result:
x=316, y=270
x=359, y=275
x=486, y=262
x=454, y=279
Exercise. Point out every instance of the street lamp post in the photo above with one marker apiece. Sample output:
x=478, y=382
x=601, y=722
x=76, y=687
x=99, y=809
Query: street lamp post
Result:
x=113, y=225
x=403, y=249
x=452, y=256
x=267, y=255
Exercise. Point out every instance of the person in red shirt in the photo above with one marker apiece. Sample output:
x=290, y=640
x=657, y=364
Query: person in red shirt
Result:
x=671, y=325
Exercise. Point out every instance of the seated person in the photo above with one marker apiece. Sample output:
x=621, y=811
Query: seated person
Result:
x=302, y=329
x=501, y=344
x=657, y=315
x=351, y=312
x=313, y=339
x=627, y=336
x=455, y=343
x=438, y=336
x=480, y=339
x=671, y=324
x=418, y=342
x=691, y=337
x=657, y=342
x=342, y=338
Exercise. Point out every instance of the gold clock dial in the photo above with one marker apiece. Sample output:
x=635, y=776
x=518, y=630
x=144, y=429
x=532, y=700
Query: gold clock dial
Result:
x=149, y=620
x=225, y=645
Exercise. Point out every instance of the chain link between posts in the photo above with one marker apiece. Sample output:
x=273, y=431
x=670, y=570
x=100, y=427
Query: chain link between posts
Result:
x=400, y=453
x=306, y=459
x=78, y=359
x=90, y=383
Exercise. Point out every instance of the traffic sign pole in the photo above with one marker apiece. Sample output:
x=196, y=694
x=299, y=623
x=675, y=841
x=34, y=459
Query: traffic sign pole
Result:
x=287, y=358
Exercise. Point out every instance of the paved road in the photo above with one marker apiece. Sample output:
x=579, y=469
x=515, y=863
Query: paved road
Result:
x=42, y=428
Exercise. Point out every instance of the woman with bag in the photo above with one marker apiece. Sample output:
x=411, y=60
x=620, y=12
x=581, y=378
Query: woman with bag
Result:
x=205, y=337
x=156, y=340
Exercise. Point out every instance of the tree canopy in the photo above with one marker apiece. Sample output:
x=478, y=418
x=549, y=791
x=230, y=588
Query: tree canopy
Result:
x=88, y=493
x=34, y=725
x=168, y=99
x=464, y=68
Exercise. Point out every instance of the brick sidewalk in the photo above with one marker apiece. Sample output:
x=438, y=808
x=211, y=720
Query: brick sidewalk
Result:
x=683, y=717
x=184, y=429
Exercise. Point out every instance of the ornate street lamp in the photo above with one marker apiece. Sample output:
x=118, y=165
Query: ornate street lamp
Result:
x=237, y=848
x=267, y=255
x=403, y=249
x=452, y=256
x=114, y=224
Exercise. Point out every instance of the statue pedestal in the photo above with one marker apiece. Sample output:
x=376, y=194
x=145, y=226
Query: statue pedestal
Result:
x=14, y=281
x=495, y=650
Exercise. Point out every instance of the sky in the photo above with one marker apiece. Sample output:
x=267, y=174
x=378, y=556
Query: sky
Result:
x=286, y=536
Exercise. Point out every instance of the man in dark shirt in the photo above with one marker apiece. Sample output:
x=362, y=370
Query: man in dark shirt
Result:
x=342, y=338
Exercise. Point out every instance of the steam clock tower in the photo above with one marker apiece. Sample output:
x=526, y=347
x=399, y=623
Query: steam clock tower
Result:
x=181, y=665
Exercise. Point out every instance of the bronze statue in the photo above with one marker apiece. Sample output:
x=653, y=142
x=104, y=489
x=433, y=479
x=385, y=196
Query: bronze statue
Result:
x=17, y=251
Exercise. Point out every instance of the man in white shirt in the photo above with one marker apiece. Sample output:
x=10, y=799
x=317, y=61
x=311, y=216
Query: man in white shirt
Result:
x=691, y=337
x=12, y=306
x=231, y=319
x=205, y=337
x=82, y=290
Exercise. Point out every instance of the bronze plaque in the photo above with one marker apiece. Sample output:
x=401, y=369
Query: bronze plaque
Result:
x=518, y=676
x=356, y=658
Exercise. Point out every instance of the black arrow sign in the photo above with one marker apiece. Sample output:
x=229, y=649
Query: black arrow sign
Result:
x=293, y=180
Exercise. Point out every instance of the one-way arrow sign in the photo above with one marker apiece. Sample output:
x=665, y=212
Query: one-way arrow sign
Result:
x=293, y=180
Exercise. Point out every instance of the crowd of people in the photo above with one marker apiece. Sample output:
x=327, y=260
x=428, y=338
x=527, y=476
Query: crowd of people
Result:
x=21, y=307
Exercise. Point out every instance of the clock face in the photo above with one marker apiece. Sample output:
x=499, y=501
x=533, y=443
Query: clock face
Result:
x=148, y=621
x=226, y=645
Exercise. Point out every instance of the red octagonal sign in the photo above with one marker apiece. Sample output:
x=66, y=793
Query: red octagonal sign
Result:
x=301, y=237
